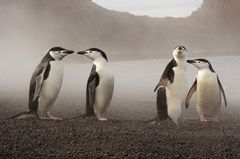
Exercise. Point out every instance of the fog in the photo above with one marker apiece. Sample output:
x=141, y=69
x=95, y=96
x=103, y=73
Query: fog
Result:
x=134, y=83
x=138, y=49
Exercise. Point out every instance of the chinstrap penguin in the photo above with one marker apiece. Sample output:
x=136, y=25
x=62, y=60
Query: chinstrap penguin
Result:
x=46, y=83
x=172, y=87
x=208, y=88
x=100, y=84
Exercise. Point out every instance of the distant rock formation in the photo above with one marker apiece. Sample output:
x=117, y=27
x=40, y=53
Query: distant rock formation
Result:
x=39, y=24
x=218, y=21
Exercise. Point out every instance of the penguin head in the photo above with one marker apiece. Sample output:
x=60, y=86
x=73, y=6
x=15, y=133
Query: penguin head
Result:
x=180, y=51
x=59, y=53
x=94, y=53
x=201, y=64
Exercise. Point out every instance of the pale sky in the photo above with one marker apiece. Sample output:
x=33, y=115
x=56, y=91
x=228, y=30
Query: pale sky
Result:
x=154, y=8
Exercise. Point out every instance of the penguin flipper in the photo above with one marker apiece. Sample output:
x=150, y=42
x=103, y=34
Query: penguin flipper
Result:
x=90, y=98
x=167, y=76
x=162, y=109
x=222, y=90
x=42, y=74
x=161, y=84
x=190, y=93
x=93, y=82
x=38, y=86
x=168, y=72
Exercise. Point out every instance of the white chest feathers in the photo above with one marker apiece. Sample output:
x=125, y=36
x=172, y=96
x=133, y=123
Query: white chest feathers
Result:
x=208, y=95
x=104, y=90
x=52, y=85
x=176, y=93
x=207, y=83
x=178, y=88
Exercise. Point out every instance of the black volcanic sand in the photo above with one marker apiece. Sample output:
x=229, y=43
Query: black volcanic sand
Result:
x=124, y=135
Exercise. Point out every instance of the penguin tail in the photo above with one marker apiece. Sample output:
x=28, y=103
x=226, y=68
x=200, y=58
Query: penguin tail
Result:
x=24, y=115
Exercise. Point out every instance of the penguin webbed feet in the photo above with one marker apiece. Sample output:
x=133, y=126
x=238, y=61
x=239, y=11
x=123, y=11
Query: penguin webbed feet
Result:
x=158, y=120
x=101, y=117
x=94, y=116
x=48, y=116
x=208, y=120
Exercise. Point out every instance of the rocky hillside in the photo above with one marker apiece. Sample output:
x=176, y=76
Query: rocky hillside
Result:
x=32, y=26
x=215, y=24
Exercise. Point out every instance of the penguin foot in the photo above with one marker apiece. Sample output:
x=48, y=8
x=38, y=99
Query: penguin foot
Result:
x=48, y=116
x=55, y=118
x=102, y=119
x=176, y=122
x=153, y=121
x=156, y=121
x=210, y=120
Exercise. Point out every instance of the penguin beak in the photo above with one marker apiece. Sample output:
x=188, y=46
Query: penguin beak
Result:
x=190, y=61
x=69, y=52
x=81, y=52
x=183, y=48
x=180, y=49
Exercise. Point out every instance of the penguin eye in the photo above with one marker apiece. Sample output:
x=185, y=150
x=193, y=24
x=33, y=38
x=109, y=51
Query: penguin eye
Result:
x=90, y=51
x=57, y=52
